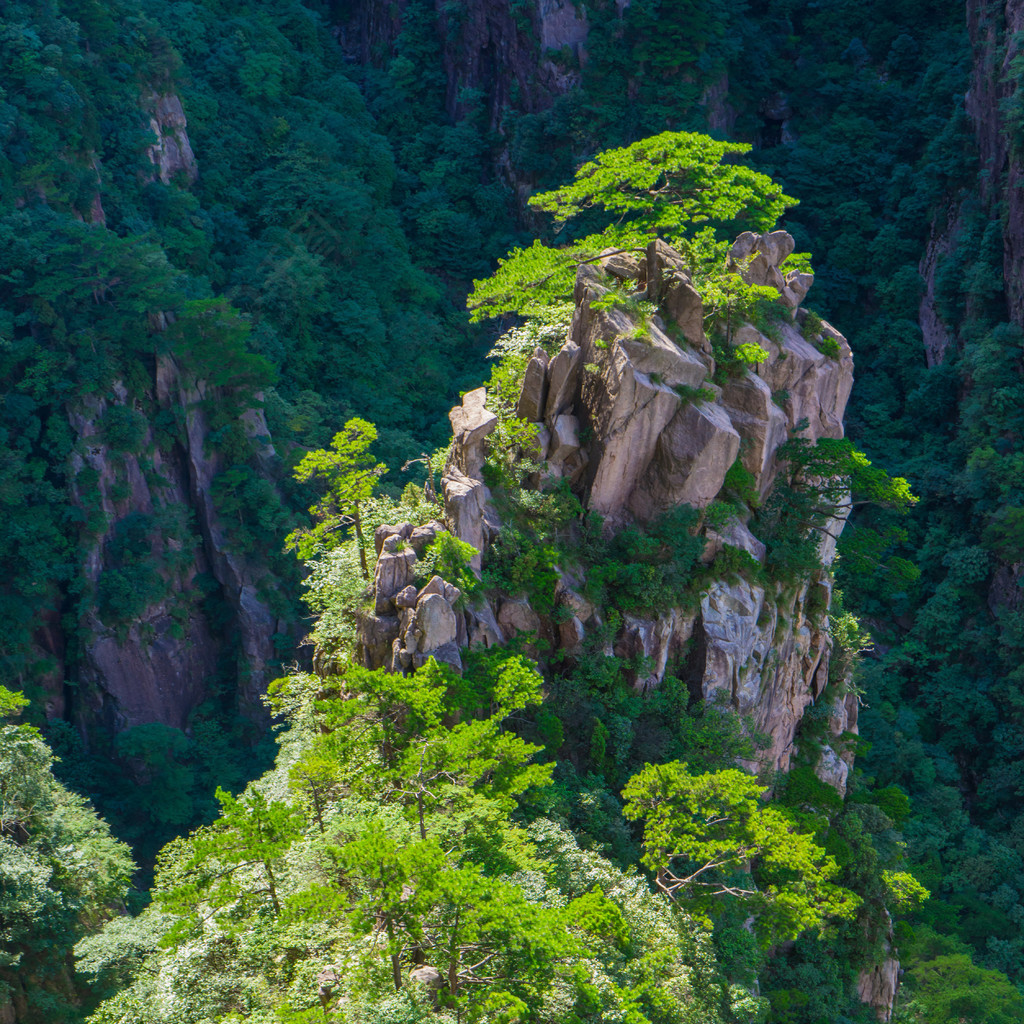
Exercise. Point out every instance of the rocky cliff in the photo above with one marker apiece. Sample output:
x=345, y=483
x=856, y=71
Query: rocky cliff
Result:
x=166, y=607
x=626, y=413
x=615, y=418
x=159, y=665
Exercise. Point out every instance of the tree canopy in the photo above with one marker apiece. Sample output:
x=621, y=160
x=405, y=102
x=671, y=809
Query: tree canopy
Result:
x=664, y=186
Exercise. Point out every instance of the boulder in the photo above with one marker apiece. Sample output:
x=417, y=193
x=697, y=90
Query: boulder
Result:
x=534, y=394
x=761, y=424
x=482, y=627
x=377, y=633
x=798, y=284
x=471, y=423
x=766, y=253
x=670, y=284
x=682, y=303
x=662, y=261
x=571, y=634
x=435, y=622
x=446, y=654
x=394, y=572
x=627, y=412
x=692, y=455
x=406, y=598
x=435, y=585
x=517, y=617
x=620, y=265
x=818, y=386
x=465, y=502
x=563, y=376
x=430, y=978
x=735, y=534
x=565, y=438
x=735, y=641
x=658, y=356
x=423, y=536
x=384, y=531
x=650, y=639
x=832, y=770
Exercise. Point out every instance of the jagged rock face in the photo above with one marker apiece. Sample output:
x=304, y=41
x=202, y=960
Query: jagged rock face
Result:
x=156, y=668
x=486, y=46
x=624, y=385
x=171, y=154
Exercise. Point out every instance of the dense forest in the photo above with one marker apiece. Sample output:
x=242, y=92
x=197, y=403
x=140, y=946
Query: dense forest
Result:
x=238, y=241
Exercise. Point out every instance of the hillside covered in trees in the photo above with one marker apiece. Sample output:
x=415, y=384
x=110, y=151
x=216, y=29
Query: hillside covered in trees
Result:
x=609, y=732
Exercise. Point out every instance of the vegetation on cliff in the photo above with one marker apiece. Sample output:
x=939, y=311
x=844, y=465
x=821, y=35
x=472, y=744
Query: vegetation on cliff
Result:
x=313, y=271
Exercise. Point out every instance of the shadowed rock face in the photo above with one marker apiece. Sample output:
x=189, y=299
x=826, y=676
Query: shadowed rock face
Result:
x=158, y=667
x=658, y=435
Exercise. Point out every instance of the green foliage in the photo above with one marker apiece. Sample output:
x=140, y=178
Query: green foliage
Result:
x=700, y=830
x=61, y=876
x=226, y=868
x=449, y=558
x=11, y=703
x=642, y=569
x=348, y=474
x=659, y=186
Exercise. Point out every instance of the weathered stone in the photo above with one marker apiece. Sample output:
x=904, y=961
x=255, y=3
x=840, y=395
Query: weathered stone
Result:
x=471, y=423
x=571, y=634
x=620, y=265
x=761, y=424
x=430, y=978
x=661, y=262
x=737, y=535
x=650, y=639
x=423, y=536
x=734, y=641
x=435, y=585
x=406, y=598
x=658, y=356
x=446, y=654
x=683, y=305
x=797, y=286
x=435, y=622
x=563, y=376
x=465, y=501
x=692, y=456
x=818, y=386
x=744, y=245
x=627, y=412
x=394, y=572
x=534, y=394
x=565, y=438
x=482, y=627
x=832, y=770
x=877, y=986
x=376, y=636
x=381, y=534
x=517, y=617
x=541, y=442
x=573, y=599
x=777, y=247
x=766, y=253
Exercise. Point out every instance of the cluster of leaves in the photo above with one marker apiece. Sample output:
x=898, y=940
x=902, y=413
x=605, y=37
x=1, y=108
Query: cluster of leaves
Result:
x=382, y=847
x=61, y=875
x=658, y=187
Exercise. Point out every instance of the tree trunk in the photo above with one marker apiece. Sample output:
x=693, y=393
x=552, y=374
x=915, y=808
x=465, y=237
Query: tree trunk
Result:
x=358, y=520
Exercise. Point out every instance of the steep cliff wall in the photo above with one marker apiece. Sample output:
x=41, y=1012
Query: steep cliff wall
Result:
x=518, y=56
x=165, y=606
x=162, y=533
x=628, y=415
